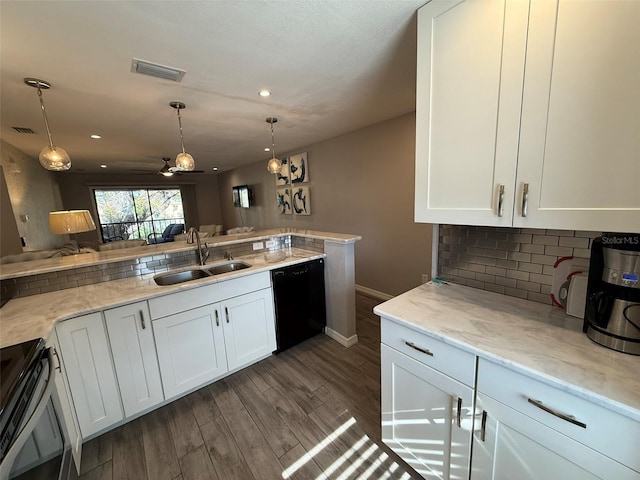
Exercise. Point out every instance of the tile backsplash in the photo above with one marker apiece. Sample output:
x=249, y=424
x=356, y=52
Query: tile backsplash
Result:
x=512, y=261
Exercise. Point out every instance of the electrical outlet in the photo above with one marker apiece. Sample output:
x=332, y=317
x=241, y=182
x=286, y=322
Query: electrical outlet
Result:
x=425, y=277
x=258, y=245
x=270, y=243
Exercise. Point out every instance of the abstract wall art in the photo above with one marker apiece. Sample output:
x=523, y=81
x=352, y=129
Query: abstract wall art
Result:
x=282, y=177
x=283, y=198
x=299, y=168
x=300, y=200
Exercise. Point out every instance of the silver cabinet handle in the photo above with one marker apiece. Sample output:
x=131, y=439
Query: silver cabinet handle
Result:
x=420, y=349
x=459, y=415
x=525, y=199
x=483, y=426
x=142, y=320
x=217, y=319
x=563, y=416
x=226, y=312
x=501, y=201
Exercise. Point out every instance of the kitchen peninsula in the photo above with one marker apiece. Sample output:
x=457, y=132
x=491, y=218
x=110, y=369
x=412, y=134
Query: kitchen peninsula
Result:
x=121, y=276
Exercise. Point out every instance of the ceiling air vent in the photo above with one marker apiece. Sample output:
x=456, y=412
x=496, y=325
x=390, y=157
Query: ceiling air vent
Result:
x=26, y=130
x=157, y=70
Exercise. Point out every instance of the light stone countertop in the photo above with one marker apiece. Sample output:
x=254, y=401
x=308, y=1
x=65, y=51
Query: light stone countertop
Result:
x=534, y=339
x=23, y=319
x=22, y=269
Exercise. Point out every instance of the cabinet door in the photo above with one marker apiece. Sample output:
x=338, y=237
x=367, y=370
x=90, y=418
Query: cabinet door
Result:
x=62, y=399
x=469, y=82
x=190, y=348
x=512, y=445
x=249, y=328
x=427, y=417
x=86, y=356
x=580, y=140
x=134, y=356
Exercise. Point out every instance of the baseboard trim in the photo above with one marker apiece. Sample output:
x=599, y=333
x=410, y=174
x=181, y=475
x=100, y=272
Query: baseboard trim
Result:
x=341, y=339
x=373, y=293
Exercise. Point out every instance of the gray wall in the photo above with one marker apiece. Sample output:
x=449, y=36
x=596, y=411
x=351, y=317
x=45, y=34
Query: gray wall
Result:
x=33, y=192
x=360, y=183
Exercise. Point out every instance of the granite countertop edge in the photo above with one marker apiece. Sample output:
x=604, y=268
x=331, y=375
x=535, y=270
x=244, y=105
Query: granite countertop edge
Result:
x=568, y=363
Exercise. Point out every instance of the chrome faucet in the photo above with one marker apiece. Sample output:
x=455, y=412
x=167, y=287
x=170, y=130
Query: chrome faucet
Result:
x=228, y=256
x=202, y=252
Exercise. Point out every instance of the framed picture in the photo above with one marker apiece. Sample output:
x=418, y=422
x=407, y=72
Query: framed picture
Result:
x=282, y=177
x=299, y=168
x=283, y=199
x=300, y=200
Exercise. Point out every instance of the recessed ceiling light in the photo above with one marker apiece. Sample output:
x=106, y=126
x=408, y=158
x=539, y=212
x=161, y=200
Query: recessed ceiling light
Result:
x=103, y=166
x=215, y=169
x=267, y=149
x=94, y=136
x=264, y=92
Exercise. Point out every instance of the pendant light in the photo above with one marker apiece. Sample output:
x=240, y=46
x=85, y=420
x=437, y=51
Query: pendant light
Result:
x=184, y=161
x=274, y=165
x=51, y=157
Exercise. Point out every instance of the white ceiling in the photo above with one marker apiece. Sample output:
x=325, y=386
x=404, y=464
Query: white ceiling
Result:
x=332, y=67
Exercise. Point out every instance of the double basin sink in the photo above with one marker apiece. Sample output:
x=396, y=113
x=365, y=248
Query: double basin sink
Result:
x=172, y=278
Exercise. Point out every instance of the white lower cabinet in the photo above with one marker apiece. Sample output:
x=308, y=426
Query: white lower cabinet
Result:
x=92, y=381
x=249, y=328
x=134, y=357
x=427, y=411
x=510, y=445
x=190, y=348
x=427, y=417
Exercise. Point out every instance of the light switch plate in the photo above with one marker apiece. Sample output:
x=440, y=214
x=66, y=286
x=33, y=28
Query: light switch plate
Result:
x=258, y=245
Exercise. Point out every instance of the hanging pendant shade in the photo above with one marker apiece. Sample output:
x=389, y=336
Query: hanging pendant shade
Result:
x=51, y=157
x=273, y=165
x=184, y=161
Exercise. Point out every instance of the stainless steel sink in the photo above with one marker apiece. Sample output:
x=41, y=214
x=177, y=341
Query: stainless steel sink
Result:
x=171, y=278
x=228, y=267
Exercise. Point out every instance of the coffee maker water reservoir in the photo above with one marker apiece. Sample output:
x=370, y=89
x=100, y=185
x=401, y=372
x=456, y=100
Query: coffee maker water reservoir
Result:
x=612, y=314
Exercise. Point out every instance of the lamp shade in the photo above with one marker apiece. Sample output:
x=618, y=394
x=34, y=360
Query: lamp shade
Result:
x=70, y=221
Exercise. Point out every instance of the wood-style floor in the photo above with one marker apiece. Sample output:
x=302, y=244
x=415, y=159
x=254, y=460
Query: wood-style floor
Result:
x=310, y=412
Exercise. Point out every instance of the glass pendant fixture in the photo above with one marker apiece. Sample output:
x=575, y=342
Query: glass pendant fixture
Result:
x=274, y=165
x=51, y=157
x=184, y=161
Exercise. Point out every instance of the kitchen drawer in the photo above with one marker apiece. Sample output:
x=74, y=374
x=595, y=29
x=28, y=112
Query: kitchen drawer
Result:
x=608, y=432
x=451, y=361
x=207, y=294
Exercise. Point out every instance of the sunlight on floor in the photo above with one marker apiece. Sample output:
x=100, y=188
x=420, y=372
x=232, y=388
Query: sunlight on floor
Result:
x=353, y=459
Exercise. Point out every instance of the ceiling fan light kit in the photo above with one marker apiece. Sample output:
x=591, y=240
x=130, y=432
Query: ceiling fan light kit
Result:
x=274, y=165
x=51, y=157
x=184, y=161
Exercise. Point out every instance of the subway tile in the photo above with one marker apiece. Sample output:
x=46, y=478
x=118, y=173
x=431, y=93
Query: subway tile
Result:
x=483, y=277
x=485, y=243
x=547, y=269
x=532, y=231
x=583, y=233
x=560, y=233
x=498, y=235
x=558, y=251
x=582, y=253
x=448, y=270
x=515, y=292
x=477, y=233
x=520, y=237
x=518, y=275
x=543, y=259
x=546, y=289
x=519, y=256
x=508, y=246
x=482, y=252
x=541, y=279
x=531, y=248
x=508, y=264
x=496, y=271
x=469, y=282
x=528, y=286
x=501, y=254
x=574, y=242
x=494, y=288
x=466, y=274
x=485, y=261
x=530, y=267
x=545, y=240
x=539, y=297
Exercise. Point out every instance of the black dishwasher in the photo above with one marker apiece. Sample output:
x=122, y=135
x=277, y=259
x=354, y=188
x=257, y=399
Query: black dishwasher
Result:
x=298, y=293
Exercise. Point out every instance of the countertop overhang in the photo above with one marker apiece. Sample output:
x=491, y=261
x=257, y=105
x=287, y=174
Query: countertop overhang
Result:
x=535, y=339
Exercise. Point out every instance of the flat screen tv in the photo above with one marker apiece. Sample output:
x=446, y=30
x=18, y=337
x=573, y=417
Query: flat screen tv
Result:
x=242, y=196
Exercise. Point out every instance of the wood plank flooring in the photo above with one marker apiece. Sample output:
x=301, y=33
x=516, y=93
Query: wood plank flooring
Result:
x=311, y=412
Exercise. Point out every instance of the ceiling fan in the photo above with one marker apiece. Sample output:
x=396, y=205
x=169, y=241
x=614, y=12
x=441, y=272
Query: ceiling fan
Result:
x=168, y=171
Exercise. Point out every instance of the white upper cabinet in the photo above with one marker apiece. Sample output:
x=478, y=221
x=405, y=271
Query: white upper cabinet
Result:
x=543, y=94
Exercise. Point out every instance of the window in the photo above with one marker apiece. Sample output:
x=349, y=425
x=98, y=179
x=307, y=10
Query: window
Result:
x=129, y=213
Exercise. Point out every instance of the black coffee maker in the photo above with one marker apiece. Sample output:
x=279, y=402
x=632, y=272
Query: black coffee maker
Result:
x=612, y=313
